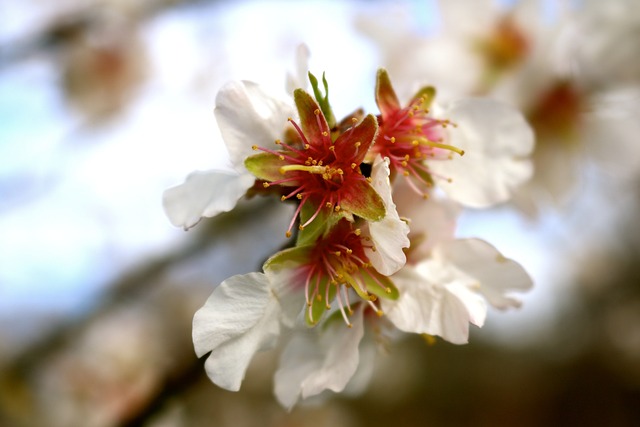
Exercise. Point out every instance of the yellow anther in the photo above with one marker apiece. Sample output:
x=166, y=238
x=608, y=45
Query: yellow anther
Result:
x=380, y=313
x=393, y=139
x=306, y=146
x=278, y=142
x=299, y=196
x=337, y=253
x=357, y=231
x=265, y=184
x=349, y=251
x=288, y=234
x=325, y=133
x=283, y=198
x=353, y=165
x=317, y=112
x=254, y=147
x=332, y=148
x=387, y=290
x=357, y=144
x=328, y=205
x=281, y=157
x=301, y=227
x=369, y=179
x=337, y=208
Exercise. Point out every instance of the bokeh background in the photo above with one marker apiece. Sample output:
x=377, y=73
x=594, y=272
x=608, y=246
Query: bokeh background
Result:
x=105, y=103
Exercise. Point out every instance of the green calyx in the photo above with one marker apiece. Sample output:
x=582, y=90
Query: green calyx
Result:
x=323, y=101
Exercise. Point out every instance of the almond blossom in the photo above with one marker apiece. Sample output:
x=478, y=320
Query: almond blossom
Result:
x=421, y=140
x=368, y=256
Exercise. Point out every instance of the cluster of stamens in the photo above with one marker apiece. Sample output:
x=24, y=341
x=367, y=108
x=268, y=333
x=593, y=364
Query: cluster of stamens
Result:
x=411, y=136
x=339, y=264
x=314, y=171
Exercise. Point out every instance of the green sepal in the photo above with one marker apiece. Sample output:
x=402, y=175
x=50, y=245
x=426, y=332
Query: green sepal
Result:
x=323, y=101
x=364, y=201
x=425, y=177
x=288, y=258
x=362, y=293
x=321, y=224
x=428, y=94
x=319, y=305
x=265, y=166
x=380, y=286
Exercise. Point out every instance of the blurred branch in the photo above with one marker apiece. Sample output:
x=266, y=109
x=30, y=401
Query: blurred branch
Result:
x=132, y=290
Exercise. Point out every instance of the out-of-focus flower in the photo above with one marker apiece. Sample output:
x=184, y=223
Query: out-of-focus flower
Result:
x=103, y=66
x=570, y=70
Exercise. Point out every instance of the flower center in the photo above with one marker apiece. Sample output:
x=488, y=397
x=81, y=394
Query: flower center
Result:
x=503, y=49
x=409, y=137
x=315, y=172
x=337, y=264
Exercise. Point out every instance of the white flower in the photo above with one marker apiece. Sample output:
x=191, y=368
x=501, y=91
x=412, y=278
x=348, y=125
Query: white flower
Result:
x=246, y=115
x=444, y=293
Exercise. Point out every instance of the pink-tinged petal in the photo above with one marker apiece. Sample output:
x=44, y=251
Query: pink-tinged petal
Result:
x=435, y=299
x=497, y=142
x=354, y=143
x=498, y=276
x=389, y=235
x=359, y=198
x=312, y=121
x=317, y=360
x=386, y=98
x=204, y=194
x=241, y=317
x=247, y=115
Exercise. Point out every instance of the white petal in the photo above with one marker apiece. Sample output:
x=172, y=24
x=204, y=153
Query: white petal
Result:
x=389, y=235
x=248, y=116
x=435, y=299
x=299, y=79
x=496, y=274
x=432, y=221
x=318, y=359
x=497, y=141
x=240, y=318
x=204, y=194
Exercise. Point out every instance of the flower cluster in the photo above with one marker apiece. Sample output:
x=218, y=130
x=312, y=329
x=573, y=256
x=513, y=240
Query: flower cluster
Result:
x=372, y=245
